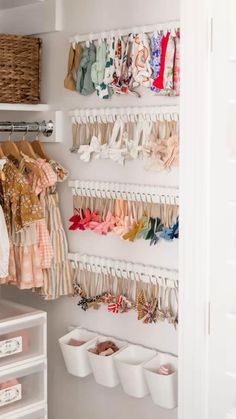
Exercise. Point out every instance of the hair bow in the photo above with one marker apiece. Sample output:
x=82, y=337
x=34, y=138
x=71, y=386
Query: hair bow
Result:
x=84, y=302
x=115, y=307
x=117, y=155
x=95, y=147
x=172, y=232
x=75, y=219
x=146, y=311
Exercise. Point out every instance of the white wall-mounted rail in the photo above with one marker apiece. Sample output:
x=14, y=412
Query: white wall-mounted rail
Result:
x=126, y=191
x=151, y=113
x=172, y=26
x=124, y=269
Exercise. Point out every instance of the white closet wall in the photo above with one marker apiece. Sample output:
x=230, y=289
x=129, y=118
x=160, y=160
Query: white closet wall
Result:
x=68, y=396
x=30, y=16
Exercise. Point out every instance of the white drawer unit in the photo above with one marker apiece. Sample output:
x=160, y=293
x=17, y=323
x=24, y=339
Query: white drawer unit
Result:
x=23, y=362
x=34, y=413
x=22, y=387
x=22, y=334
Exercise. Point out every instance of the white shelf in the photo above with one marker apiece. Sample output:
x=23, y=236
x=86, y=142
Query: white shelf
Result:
x=41, y=107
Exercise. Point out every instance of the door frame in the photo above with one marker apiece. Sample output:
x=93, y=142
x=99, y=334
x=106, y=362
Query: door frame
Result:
x=194, y=209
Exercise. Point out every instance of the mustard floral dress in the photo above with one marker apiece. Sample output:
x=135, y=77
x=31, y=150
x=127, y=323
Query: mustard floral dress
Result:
x=22, y=209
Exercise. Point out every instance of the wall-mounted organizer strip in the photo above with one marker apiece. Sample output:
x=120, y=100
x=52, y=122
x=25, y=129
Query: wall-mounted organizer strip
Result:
x=122, y=286
x=155, y=28
x=139, y=370
x=124, y=269
x=126, y=191
x=132, y=212
x=117, y=56
x=104, y=115
x=126, y=134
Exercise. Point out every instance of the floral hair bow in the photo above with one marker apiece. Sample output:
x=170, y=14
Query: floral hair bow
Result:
x=146, y=311
x=87, y=302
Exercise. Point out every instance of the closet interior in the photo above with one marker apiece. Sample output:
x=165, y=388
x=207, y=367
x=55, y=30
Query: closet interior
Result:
x=90, y=214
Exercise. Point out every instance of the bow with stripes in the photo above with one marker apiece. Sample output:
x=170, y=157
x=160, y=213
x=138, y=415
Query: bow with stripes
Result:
x=114, y=307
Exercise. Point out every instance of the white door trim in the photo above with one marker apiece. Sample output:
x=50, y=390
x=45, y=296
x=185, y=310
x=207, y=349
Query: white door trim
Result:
x=194, y=209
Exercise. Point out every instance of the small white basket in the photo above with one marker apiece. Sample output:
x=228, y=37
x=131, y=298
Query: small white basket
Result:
x=103, y=366
x=129, y=364
x=163, y=388
x=76, y=357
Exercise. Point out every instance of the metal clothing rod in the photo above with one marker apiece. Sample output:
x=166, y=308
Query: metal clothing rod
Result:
x=165, y=26
x=45, y=128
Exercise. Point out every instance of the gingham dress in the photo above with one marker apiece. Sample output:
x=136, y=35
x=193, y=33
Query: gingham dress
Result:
x=58, y=278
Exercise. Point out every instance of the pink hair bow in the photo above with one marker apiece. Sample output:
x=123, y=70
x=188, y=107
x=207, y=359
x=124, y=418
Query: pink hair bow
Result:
x=106, y=226
x=89, y=217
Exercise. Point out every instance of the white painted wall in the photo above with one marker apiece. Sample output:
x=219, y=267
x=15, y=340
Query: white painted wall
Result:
x=70, y=397
x=26, y=17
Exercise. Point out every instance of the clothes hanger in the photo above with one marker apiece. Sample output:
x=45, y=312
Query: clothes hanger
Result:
x=25, y=146
x=1, y=152
x=9, y=148
x=28, y=156
x=39, y=148
x=3, y=160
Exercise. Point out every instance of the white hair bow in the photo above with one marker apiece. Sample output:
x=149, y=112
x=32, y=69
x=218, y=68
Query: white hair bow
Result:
x=94, y=149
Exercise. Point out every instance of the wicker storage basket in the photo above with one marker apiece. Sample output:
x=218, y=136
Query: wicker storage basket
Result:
x=20, y=58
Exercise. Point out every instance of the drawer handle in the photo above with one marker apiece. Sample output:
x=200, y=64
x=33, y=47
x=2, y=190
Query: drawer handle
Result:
x=10, y=346
x=10, y=394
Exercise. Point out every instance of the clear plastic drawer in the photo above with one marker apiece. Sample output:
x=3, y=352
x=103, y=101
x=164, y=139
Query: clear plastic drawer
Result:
x=22, y=334
x=22, y=388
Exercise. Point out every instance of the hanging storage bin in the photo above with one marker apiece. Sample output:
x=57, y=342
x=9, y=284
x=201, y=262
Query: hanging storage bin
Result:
x=163, y=388
x=76, y=357
x=20, y=69
x=129, y=364
x=103, y=366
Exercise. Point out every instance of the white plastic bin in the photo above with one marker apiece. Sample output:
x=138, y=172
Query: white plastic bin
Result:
x=129, y=364
x=22, y=334
x=32, y=379
x=76, y=357
x=163, y=388
x=103, y=367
